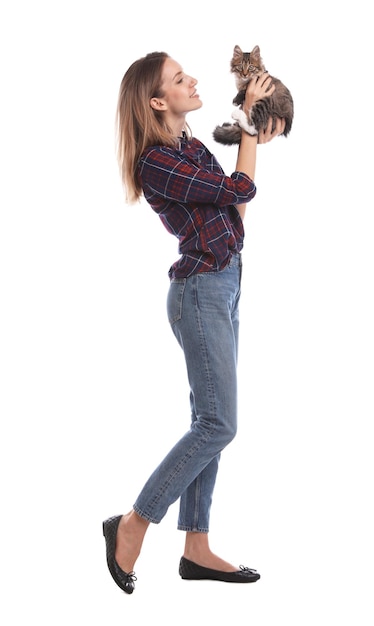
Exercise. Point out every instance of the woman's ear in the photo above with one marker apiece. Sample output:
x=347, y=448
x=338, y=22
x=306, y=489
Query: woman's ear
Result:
x=157, y=104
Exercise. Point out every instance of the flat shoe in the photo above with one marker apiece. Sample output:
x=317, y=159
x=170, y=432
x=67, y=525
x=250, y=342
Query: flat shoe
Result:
x=124, y=580
x=189, y=570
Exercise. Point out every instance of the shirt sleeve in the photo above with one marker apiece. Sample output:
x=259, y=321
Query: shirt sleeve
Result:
x=167, y=173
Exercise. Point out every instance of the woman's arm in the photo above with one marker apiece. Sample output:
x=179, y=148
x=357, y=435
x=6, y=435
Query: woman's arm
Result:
x=168, y=174
x=246, y=161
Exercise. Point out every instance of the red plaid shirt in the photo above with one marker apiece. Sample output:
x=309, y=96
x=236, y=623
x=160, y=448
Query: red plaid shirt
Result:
x=195, y=201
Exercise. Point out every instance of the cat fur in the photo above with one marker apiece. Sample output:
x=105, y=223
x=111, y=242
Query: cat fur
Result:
x=246, y=67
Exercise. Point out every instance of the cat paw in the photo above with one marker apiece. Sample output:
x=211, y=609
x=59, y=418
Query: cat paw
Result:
x=251, y=130
x=237, y=114
x=244, y=122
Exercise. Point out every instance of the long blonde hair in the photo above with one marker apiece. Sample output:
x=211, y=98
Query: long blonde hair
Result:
x=138, y=125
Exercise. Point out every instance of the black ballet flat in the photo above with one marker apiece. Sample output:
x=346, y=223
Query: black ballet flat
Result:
x=125, y=581
x=189, y=570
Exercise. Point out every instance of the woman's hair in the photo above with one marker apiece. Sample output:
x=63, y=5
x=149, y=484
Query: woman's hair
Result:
x=138, y=125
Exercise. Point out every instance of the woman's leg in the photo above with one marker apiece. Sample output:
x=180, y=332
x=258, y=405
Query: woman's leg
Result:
x=203, y=311
x=218, y=302
x=195, y=502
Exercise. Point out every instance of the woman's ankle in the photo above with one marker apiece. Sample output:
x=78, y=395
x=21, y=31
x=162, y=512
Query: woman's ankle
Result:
x=197, y=550
x=130, y=536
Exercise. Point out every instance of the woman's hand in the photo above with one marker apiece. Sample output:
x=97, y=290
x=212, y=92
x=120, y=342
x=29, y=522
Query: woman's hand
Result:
x=267, y=134
x=258, y=89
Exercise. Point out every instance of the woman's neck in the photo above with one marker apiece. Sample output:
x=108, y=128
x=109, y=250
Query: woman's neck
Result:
x=177, y=124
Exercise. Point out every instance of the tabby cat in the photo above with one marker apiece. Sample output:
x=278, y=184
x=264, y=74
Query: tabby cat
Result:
x=247, y=66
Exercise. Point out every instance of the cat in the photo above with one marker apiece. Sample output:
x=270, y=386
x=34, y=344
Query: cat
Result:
x=247, y=66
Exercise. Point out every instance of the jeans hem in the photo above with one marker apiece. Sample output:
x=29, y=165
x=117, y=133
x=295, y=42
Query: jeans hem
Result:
x=148, y=518
x=189, y=529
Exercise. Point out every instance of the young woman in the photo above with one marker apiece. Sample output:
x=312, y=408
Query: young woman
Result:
x=183, y=182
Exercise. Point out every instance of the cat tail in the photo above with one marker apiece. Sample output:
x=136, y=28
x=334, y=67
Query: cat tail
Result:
x=228, y=134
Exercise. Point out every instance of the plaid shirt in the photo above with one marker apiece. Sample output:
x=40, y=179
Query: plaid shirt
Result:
x=195, y=201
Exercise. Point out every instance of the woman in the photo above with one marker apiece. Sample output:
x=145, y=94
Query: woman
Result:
x=183, y=182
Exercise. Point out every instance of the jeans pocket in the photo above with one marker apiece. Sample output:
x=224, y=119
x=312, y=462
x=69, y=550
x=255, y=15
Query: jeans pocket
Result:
x=175, y=299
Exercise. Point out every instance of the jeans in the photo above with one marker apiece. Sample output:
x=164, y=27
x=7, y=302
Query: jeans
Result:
x=203, y=313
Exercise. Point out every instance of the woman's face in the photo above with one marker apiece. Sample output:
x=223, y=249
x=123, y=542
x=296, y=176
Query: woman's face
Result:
x=179, y=89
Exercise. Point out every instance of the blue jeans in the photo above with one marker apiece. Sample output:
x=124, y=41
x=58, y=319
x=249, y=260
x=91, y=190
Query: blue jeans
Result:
x=203, y=313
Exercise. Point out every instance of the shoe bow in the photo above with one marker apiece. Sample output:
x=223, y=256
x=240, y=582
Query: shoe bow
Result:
x=247, y=570
x=131, y=578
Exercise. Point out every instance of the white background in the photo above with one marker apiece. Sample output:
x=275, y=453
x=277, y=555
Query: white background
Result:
x=93, y=388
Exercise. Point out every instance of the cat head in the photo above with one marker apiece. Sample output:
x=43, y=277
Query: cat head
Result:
x=246, y=65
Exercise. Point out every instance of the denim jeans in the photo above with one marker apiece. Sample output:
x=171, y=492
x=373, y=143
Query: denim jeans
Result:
x=203, y=313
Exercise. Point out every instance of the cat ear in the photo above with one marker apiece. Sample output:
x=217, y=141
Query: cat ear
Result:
x=237, y=51
x=256, y=53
